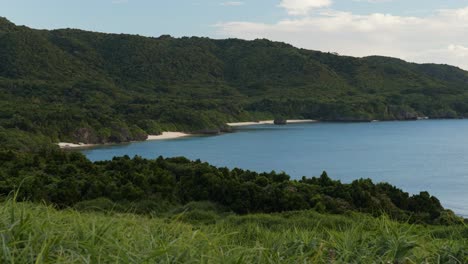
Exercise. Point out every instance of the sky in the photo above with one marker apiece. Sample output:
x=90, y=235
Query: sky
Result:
x=425, y=31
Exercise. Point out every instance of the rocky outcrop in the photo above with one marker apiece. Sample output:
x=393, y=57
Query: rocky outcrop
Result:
x=208, y=131
x=227, y=129
x=280, y=121
x=403, y=113
x=214, y=131
x=85, y=135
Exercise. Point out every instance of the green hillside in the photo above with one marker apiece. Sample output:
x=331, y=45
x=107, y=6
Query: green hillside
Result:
x=73, y=85
x=76, y=86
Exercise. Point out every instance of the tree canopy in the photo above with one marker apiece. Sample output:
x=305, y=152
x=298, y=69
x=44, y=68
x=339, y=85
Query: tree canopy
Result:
x=79, y=86
x=68, y=179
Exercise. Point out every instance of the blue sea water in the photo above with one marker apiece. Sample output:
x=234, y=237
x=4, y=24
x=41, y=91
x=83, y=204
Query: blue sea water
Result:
x=415, y=156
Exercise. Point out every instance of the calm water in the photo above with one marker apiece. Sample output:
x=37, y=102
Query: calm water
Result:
x=415, y=156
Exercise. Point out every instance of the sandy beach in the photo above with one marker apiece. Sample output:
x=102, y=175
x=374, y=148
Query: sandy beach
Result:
x=265, y=122
x=66, y=145
x=271, y=122
x=164, y=135
x=174, y=135
x=167, y=135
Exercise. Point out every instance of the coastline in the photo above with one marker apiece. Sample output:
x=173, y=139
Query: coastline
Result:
x=167, y=135
x=175, y=135
x=66, y=145
x=163, y=136
x=264, y=122
x=271, y=122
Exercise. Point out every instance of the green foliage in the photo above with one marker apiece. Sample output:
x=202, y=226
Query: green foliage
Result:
x=69, y=179
x=34, y=233
x=79, y=86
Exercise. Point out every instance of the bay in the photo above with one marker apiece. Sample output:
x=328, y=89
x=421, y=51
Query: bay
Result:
x=415, y=156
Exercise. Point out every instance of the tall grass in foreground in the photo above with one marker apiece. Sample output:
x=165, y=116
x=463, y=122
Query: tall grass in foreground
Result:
x=31, y=233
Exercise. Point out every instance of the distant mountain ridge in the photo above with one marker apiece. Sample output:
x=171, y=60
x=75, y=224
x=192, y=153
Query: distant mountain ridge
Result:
x=82, y=86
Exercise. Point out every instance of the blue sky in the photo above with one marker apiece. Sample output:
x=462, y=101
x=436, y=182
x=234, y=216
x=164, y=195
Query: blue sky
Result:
x=182, y=17
x=416, y=30
x=146, y=17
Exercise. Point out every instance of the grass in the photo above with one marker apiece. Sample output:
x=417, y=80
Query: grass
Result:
x=32, y=233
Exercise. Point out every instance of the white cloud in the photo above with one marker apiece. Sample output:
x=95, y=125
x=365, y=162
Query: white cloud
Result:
x=454, y=54
x=303, y=7
x=441, y=37
x=232, y=3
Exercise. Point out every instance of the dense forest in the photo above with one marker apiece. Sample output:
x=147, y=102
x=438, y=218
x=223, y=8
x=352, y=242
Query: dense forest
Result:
x=78, y=86
x=69, y=179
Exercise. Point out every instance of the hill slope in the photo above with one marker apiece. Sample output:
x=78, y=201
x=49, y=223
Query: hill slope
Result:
x=95, y=88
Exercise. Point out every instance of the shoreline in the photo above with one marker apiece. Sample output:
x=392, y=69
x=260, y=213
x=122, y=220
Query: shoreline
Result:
x=167, y=135
x=271, y=122
x=175, y=135
x=67, y=145
x=163, y=136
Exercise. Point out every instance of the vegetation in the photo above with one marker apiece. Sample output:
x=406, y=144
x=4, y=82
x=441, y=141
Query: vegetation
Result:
x=79, y=86
x=69, y=179
x=40, y=234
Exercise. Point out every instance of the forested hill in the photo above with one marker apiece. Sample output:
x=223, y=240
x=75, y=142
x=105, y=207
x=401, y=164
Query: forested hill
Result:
x=80, y=86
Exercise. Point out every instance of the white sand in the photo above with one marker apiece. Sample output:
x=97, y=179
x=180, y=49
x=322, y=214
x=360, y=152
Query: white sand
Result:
x=271, y=122
x=66, y=145
x=173, y=135
x=167, y=135
x=265, y=122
